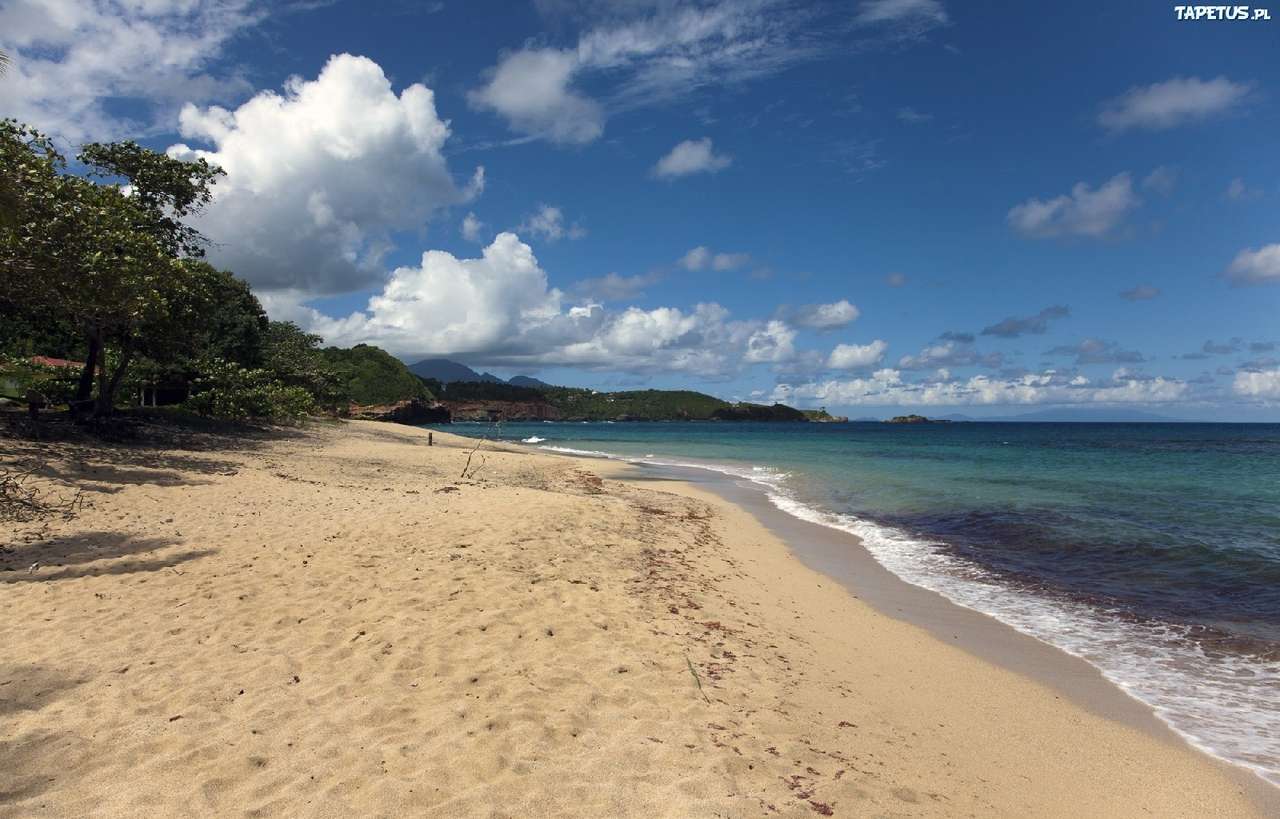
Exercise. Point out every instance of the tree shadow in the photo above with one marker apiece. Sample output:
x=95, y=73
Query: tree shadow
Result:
x=142, y=441
x=110, y=478
x=31, y=687
x=30, y=763
x=73, y=556
x=33, y=763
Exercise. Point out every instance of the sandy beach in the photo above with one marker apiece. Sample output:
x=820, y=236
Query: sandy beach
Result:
x=334, y=622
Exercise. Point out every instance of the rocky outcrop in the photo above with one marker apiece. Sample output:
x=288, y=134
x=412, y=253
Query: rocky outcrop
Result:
x=412, y=411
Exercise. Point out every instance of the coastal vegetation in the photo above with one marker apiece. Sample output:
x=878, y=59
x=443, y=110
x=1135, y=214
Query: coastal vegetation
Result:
x=524, y=398
x=105, y=299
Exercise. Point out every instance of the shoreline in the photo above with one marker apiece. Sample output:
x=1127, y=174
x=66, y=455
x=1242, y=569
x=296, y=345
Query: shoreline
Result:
x=341, y=620
x=842, y=557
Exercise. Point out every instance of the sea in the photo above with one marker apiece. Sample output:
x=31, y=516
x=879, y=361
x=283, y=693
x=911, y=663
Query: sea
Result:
x=1152, y=551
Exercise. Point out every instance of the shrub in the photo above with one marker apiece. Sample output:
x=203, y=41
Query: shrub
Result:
x=229, y=391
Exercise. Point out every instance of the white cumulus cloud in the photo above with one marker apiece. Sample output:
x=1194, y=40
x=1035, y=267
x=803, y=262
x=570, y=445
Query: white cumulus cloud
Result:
x=471, y=227
x=1261, y=266
x=320, y=175
x=1171, y=103
x=1263, y=384
x=773, y=343
x=1086, y=211
x=499, y=309
x=888, y=388
x=691, y=156
x=548, y=222
x=701, y=258
x=824, y=316
x=857, y=356
x=533, y=90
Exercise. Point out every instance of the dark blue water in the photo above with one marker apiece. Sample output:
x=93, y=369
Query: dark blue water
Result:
x=1151, y=550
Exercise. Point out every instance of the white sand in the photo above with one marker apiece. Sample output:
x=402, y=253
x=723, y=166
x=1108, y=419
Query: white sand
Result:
x=335, y=624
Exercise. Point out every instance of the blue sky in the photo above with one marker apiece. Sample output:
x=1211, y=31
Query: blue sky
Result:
x=872, y=206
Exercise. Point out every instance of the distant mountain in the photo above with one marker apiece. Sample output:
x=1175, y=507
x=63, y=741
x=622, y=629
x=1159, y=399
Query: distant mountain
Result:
x=446, y=371
x=526, y=381
x=1076, y=416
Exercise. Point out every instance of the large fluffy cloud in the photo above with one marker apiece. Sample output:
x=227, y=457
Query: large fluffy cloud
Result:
x=888, y=388
x=74, y=62
x=1085, y=211
x=320, y=175
x=1171, y=103
x=499, y=309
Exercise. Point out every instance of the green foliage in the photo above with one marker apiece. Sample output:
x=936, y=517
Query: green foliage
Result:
x=19, y=374
x=295, y=359
x=643, y=405
x=229, y=391
x=92, y=257
x=108, y=272
x=758, y=412
x=370, y=375
x=165, y=190
x=489, y=391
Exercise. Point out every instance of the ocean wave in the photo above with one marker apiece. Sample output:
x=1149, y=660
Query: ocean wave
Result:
x=532, y=439
x=1216, y=701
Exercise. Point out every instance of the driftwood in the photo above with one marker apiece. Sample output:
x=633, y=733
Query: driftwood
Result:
x=20, y=502
x=494, y=429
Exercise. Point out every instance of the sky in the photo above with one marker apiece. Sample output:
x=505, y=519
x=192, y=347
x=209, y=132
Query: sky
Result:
x=877, y=206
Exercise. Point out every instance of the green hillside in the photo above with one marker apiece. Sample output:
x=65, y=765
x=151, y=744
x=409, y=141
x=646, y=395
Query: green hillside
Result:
x=639, y=405
x=374, y=376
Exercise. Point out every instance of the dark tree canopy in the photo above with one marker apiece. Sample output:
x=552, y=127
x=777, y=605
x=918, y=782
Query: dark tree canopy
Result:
x=165, y=189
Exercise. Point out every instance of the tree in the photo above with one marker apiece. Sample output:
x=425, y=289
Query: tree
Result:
x=166, y=190
x=295, y=359
x=104, y=259
x=371, y=375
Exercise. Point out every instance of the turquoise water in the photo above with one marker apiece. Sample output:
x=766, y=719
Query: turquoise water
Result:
x=1151, y=550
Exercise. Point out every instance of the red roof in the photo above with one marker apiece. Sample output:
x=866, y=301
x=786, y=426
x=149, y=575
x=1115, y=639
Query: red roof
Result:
x=44, y=360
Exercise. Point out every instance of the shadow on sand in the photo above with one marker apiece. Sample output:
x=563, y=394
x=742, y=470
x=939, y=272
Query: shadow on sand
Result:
x=79, y=555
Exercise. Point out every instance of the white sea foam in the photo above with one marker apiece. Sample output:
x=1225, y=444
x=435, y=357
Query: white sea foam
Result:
x=1226, y=705
x=532, y=439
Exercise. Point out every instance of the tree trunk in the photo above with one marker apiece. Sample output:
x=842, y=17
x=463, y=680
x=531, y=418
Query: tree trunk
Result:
x=85, y=389
x=102, y=406
x=107, y=386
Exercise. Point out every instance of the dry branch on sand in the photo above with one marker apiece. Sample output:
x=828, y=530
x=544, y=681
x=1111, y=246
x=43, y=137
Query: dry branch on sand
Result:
x=20, y=502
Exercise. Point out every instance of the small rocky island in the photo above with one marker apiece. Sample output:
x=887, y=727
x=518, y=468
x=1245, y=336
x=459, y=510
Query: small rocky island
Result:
x=915, y=419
